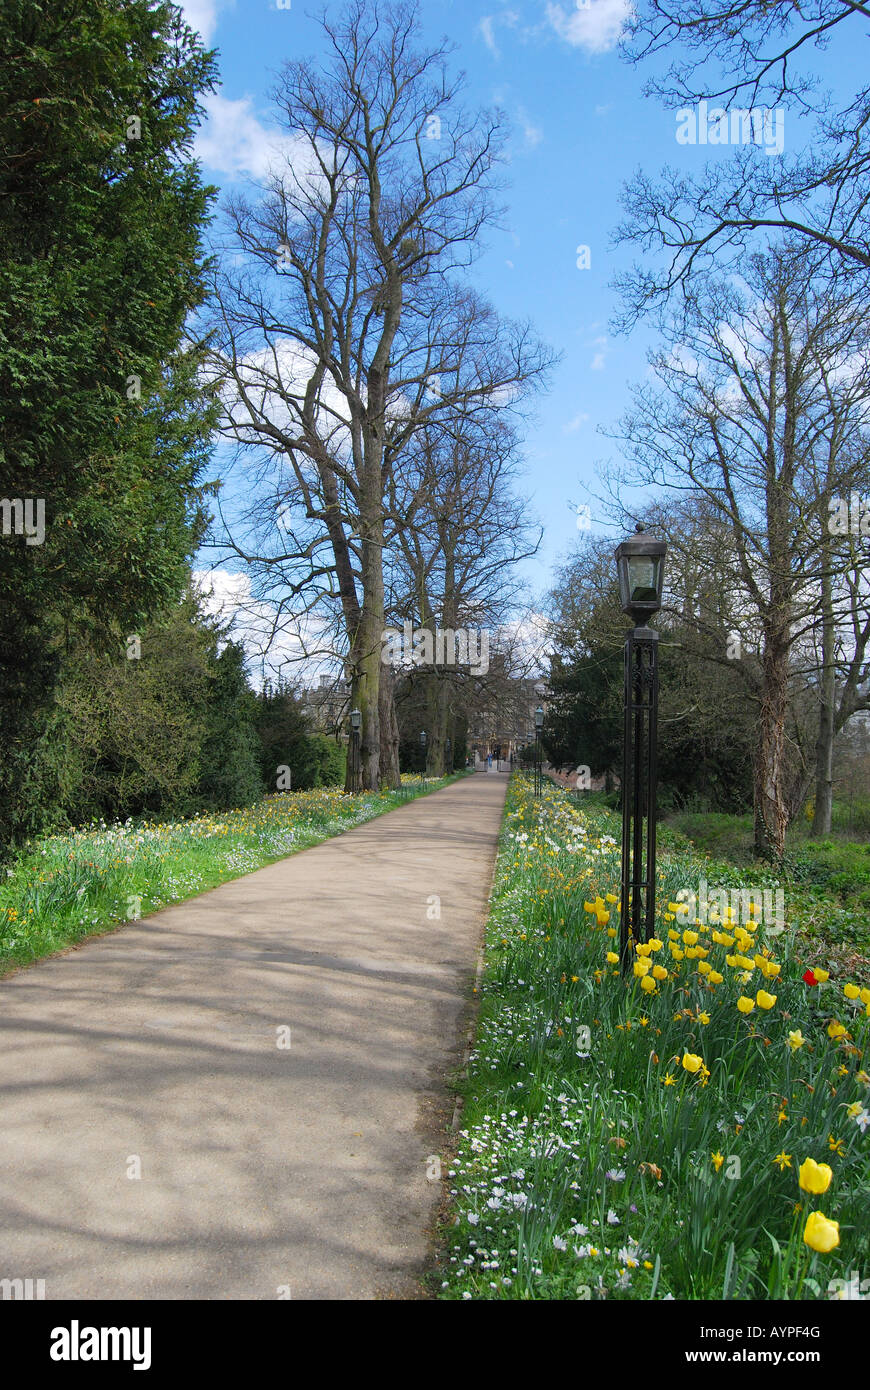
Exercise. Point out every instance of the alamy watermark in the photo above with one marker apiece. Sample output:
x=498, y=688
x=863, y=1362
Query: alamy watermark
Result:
x=447, y=647
x=713, y=125
x=849, y=516
x=17, y=517
x=762, y=907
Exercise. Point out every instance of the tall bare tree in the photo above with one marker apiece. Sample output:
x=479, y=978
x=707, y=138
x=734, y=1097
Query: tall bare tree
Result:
x=323, y=334
x=741, y=419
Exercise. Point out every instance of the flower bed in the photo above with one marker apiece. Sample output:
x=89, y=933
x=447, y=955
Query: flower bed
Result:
x=697, y=1130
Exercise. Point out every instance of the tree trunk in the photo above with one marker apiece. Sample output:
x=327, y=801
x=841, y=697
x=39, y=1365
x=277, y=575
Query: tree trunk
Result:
x=827, y=713
x=389, y=727
x=771, y=812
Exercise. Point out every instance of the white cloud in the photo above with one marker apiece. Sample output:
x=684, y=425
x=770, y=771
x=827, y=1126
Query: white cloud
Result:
x=202, y=15
x=579, y=419
x=595, y=25
x=233, y=141
x=487, y=29
x=509, y=18
x=532, y=134
x=598, y=361
x=295, y=646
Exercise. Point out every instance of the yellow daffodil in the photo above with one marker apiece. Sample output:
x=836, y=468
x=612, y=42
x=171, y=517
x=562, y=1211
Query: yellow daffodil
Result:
x=796, y=1039
x=836, y=1146
x=703, y=1017
x=668, y=1080
x=820, y=1234
x=717, y=1159
x=814, y=1177
x=783, y=1159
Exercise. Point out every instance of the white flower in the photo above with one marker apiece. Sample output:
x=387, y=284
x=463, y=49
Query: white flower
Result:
x=862, y=1120
x=472, y=1218
x=612, y=1218
x=615, y=1174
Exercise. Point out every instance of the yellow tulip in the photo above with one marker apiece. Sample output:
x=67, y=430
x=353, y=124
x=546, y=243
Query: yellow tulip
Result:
x=715, y=978
x=655, y=944
x=864, y=996
x=643, y=948
x=673, y=935
x=820, y=1234
x=648, y=983
x=821, y=975
x=641, y=967
x=745, y=1005
x=722, y=938
x=660, y=972
x=851, y=991
x=814, y=1177
x=765, y=1000
x=690, y=937
x=692, y=1062
x=835, y=1029
x=612, y=958
x=704, y=968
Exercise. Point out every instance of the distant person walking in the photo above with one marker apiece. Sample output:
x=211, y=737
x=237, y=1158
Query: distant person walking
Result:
x=489, y=762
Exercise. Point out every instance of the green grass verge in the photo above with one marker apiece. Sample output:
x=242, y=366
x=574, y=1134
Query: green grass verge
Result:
x=628, y=1144
x=64, y=888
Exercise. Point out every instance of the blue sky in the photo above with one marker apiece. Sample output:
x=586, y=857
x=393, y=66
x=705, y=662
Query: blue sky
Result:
x=580, y=128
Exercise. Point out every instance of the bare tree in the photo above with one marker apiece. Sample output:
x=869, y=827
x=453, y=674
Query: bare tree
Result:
x=748, y=52
x=742, y=420
x=323, y=332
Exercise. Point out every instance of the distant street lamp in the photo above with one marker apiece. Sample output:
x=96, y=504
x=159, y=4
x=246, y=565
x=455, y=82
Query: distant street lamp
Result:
x=539, y=775
x=448, y=764
x=355, y=726
x=423, y=758
x=640, y=564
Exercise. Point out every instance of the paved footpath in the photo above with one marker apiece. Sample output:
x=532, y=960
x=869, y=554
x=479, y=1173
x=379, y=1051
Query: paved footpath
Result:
x=267, y=1171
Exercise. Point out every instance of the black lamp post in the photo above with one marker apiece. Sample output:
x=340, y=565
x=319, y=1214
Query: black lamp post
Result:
x=355, y=726
x=539, y=776
x=423, y=756
x=448, y=765
x=641, y=565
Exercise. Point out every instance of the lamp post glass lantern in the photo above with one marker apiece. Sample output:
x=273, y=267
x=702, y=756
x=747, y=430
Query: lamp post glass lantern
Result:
x=355, y=726
x=640, y=564
x=539, y=776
